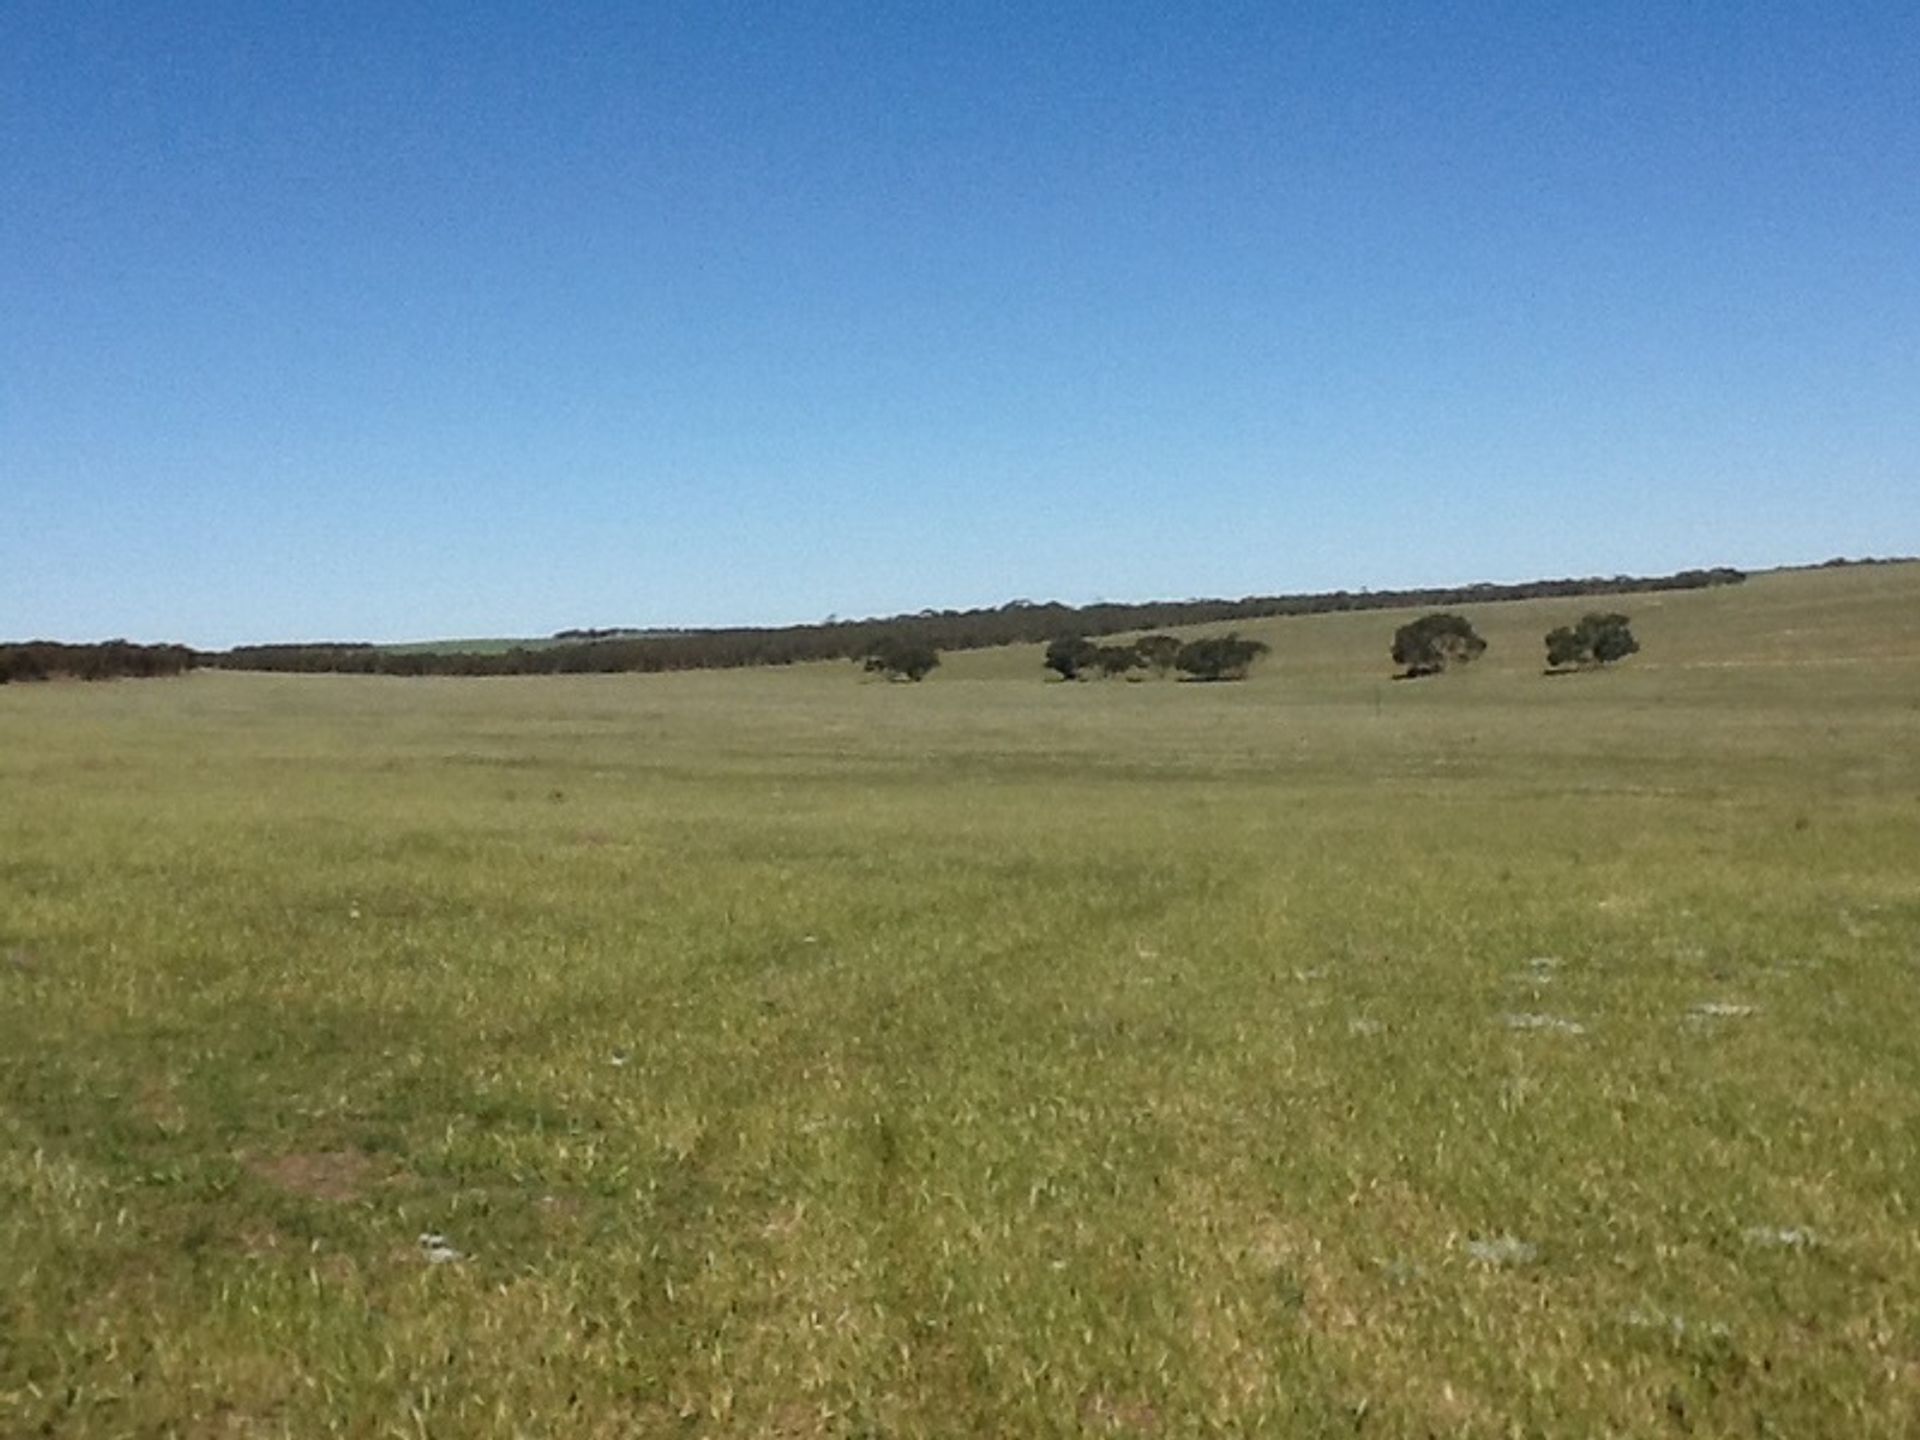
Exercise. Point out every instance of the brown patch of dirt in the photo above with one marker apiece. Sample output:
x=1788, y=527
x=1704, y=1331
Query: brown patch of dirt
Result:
x=336, y=1175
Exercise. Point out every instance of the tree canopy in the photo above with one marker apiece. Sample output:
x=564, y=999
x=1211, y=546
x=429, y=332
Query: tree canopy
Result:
x=1601, y=638
x=1434, y=643
x=1219, y=657
x=1069, y=655
x=1157, y=652
x=1116, y=659
x=900, y=657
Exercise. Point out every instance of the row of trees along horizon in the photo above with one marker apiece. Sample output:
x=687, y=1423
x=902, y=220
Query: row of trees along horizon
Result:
x=1430, y=645
x=1427, y=646
x=1017, y=622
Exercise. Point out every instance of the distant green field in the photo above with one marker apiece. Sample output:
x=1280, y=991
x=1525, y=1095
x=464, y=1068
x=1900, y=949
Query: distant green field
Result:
x=788, y=1053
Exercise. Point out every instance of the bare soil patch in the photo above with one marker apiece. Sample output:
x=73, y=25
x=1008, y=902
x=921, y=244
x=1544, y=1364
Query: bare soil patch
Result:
x=336, y=1175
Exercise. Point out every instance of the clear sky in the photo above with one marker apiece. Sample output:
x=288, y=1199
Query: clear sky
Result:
x=396, y=320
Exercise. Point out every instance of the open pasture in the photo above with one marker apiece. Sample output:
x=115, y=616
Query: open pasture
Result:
x=789, y=1053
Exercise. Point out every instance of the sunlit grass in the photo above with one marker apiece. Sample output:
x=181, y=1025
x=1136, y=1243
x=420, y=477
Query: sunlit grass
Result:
x=783, y=1053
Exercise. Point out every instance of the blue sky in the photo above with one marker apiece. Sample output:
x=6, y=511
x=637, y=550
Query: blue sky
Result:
x=400, y=320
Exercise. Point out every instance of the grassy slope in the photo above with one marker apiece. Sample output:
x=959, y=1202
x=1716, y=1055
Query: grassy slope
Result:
x=1002, y=1057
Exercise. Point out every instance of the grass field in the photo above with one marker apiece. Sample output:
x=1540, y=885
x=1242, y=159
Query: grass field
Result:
x=792, y=1054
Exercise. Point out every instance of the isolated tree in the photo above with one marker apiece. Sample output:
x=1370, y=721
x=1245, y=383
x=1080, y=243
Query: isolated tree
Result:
x=1434, y=643
x=1601, y=638
x=1219, y=657
x=1113, y=660
x=900, y=658
x=1069, y=655
x=1157, y=652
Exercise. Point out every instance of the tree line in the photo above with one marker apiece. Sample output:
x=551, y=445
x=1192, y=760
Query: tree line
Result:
x=1430, y=645
x=930, y=631
x=111, y=660
x=1212, y=657
x=1018, y=622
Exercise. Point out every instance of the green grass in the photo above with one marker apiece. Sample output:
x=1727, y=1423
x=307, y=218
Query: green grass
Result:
x=1001, y=1057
